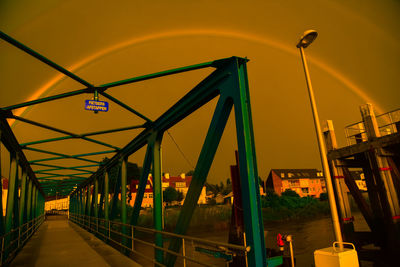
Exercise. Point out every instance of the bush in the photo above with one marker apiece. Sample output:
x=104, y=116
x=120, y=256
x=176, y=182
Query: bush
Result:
x=323, y=196
x=211, y=201
x=290, y=193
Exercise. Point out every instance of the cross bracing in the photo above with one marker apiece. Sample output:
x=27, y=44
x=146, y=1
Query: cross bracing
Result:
x=97, y=193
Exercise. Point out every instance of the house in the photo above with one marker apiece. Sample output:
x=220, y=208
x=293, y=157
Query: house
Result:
x=181, y=183
x=305, y=182
x=359, y=178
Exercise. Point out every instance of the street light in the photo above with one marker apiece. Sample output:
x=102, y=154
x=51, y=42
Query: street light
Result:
x=305, y=40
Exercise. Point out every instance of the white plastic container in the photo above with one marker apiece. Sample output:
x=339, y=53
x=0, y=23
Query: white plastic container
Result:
x=334, y=257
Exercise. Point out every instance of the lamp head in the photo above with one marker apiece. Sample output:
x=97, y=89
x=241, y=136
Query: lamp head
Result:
x=307, y=38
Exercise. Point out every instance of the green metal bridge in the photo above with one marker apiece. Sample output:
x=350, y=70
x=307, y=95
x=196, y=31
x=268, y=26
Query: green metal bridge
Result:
x=94, y=194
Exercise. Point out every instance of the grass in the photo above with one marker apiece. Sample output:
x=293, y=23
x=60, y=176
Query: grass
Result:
x=217, y=217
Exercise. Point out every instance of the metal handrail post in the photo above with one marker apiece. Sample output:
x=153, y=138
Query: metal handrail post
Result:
x=245, y=245
x=19, y=235
x=183, y=252
x=109, y=230
x=2, y=250
x=132, y=237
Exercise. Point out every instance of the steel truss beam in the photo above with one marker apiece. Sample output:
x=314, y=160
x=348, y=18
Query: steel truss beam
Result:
x=229, y=82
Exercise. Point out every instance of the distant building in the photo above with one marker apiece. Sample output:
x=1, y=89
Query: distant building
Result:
x=180, y=183
x=359, y=178
x=305, y=182
x=57, y=204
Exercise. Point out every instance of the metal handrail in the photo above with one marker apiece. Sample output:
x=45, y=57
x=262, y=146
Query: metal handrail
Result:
x=31, y=228
x=87, y=222
x=388, y=124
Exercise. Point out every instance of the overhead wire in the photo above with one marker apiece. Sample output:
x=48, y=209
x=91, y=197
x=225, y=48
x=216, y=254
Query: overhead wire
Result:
x=180, y=150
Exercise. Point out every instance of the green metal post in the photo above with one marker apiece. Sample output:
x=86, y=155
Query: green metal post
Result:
x=34, y=202
x=11, y=198
x=95, y=198
x=29, y=201
x=81, y=203
x=100, y=211
x=88, y=195
x=157, y=196
x=123, y=200
x=254, y=227
x=22, y=207
x=106, y=196
x=117, y=190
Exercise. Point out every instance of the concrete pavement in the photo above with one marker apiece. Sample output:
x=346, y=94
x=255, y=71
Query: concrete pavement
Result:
x=61, y=243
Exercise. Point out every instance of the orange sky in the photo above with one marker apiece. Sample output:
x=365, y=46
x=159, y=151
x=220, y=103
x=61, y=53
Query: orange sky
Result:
x=354, y=60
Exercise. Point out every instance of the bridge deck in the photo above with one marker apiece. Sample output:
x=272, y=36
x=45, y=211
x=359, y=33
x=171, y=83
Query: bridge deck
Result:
x=61, y=243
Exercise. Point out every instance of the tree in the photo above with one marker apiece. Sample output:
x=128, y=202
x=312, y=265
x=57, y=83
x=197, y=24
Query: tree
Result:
x=180, y=196
x=134, y=171
x=170, y=194
x=290, y=193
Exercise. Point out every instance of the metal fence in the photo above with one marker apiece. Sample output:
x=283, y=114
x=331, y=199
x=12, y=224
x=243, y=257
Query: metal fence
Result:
x=125, y=236
x=16, y=239
x=388, y=123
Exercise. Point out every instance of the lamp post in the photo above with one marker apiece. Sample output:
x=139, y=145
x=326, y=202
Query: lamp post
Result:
x=306, y=39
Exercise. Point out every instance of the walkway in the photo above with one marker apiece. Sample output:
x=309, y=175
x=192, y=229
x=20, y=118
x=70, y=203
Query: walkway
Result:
x=61, y=243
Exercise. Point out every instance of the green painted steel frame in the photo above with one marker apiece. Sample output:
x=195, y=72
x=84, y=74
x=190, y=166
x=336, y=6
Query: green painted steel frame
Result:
x=229, y=82
x=22, y=207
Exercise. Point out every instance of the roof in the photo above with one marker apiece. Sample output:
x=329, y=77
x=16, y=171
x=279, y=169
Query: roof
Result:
x=172, y=180
x=298, y=173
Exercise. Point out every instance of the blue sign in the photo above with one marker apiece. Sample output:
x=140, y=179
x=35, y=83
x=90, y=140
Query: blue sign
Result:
x=96, y=105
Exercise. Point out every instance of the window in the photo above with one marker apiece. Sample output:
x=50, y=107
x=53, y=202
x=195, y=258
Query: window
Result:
x=150, y=195
x=180, y=184
x=304, y=190
x=282, y=175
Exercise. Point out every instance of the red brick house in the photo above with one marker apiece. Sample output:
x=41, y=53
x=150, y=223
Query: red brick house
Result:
x=180, y=183
x=305, y=182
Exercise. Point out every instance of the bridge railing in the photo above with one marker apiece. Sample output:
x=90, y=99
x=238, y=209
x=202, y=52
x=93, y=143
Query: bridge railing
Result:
x=17, y=238
x=388, y=123
x=125, y=236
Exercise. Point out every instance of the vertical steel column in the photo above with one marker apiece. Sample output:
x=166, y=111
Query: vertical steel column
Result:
x=123, y=200
x=29, y=202
x=22, y=207
x=11, y=198
x=254, y=227
x=117, y=190
x=87, y=211
x=95, y=200
x=106, y=196
x=79, y=201
x=34, y=201
x=157, y=195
